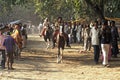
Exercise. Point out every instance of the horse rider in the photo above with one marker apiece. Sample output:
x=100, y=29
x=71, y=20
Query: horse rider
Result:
x=44, y=32
x=59, y=29
x=45, y=25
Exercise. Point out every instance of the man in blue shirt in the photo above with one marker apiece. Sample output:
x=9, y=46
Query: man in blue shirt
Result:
x=9, y=43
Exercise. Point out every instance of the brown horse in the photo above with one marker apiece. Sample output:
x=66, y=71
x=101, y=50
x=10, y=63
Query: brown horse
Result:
x=60, y=45
x=47, y=35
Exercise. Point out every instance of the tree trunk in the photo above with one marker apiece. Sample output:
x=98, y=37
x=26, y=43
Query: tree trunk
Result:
x=98, y=9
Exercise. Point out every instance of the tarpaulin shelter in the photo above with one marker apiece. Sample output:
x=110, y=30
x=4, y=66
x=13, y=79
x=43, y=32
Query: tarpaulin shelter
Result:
x=15, y=22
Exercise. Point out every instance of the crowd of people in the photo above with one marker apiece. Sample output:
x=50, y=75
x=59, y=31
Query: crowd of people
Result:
x=13, y=38
x=102, y=35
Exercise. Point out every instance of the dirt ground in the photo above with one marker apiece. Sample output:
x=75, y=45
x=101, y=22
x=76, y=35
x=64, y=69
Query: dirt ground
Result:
x=39, y=63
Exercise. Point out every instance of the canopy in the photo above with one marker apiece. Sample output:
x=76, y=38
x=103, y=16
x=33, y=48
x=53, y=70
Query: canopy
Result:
x=14, y=22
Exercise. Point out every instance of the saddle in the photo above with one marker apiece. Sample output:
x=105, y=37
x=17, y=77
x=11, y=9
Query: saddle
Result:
x=58, y=33
x=46, y=31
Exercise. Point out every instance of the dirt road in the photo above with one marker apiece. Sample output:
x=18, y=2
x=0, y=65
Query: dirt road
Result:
x=39, y=63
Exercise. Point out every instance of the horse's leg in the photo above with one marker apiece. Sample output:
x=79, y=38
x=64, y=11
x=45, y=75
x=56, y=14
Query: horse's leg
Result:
x=45, y=39
x=48, y=43
x=58, y=56
x=53, y=39
x=61, y=56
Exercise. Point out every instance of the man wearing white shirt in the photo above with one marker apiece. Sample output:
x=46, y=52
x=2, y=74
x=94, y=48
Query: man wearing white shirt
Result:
x=95, y=33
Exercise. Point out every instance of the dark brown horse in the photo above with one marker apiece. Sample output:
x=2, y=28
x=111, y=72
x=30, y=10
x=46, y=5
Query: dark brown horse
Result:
x=60, y=45
x=60, y=38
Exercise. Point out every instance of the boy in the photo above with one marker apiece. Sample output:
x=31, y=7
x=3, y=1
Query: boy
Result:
x=9, y=44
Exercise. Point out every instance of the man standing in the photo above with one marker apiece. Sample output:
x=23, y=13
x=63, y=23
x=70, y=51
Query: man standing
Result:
x=114, y=39
x=24, y=35
x=9, y=43
x=105, y=42
x=2, y=50
x=18, y=39
x=95, y=33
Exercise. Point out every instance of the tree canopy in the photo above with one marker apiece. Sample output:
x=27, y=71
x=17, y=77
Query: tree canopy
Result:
x=77, y=8
x=68, y=9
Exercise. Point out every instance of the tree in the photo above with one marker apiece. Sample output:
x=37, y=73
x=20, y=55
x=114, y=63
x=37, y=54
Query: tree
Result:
x=98, y=6
x=68, y=9
x=11, y=10
x=77, y=8
x=54, y=8
x=112, y=8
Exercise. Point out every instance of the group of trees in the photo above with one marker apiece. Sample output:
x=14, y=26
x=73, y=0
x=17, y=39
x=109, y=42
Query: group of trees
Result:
x=69, y=9
x=11, y=10
x=74, y=9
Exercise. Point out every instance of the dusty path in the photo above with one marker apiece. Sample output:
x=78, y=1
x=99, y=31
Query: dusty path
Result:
x=38, y=63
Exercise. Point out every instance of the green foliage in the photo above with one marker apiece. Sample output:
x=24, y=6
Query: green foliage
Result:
x=113, y=8
x=53, y=8
x=109, y=8
x=11, y=10
x=68, y=9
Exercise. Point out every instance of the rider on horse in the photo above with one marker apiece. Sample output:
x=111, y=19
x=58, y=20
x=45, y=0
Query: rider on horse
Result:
x=59, y=29
x=45, y=31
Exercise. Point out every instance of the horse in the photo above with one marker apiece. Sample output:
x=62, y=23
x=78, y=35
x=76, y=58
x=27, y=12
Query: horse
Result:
x=47, y=35
x=60, y=46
